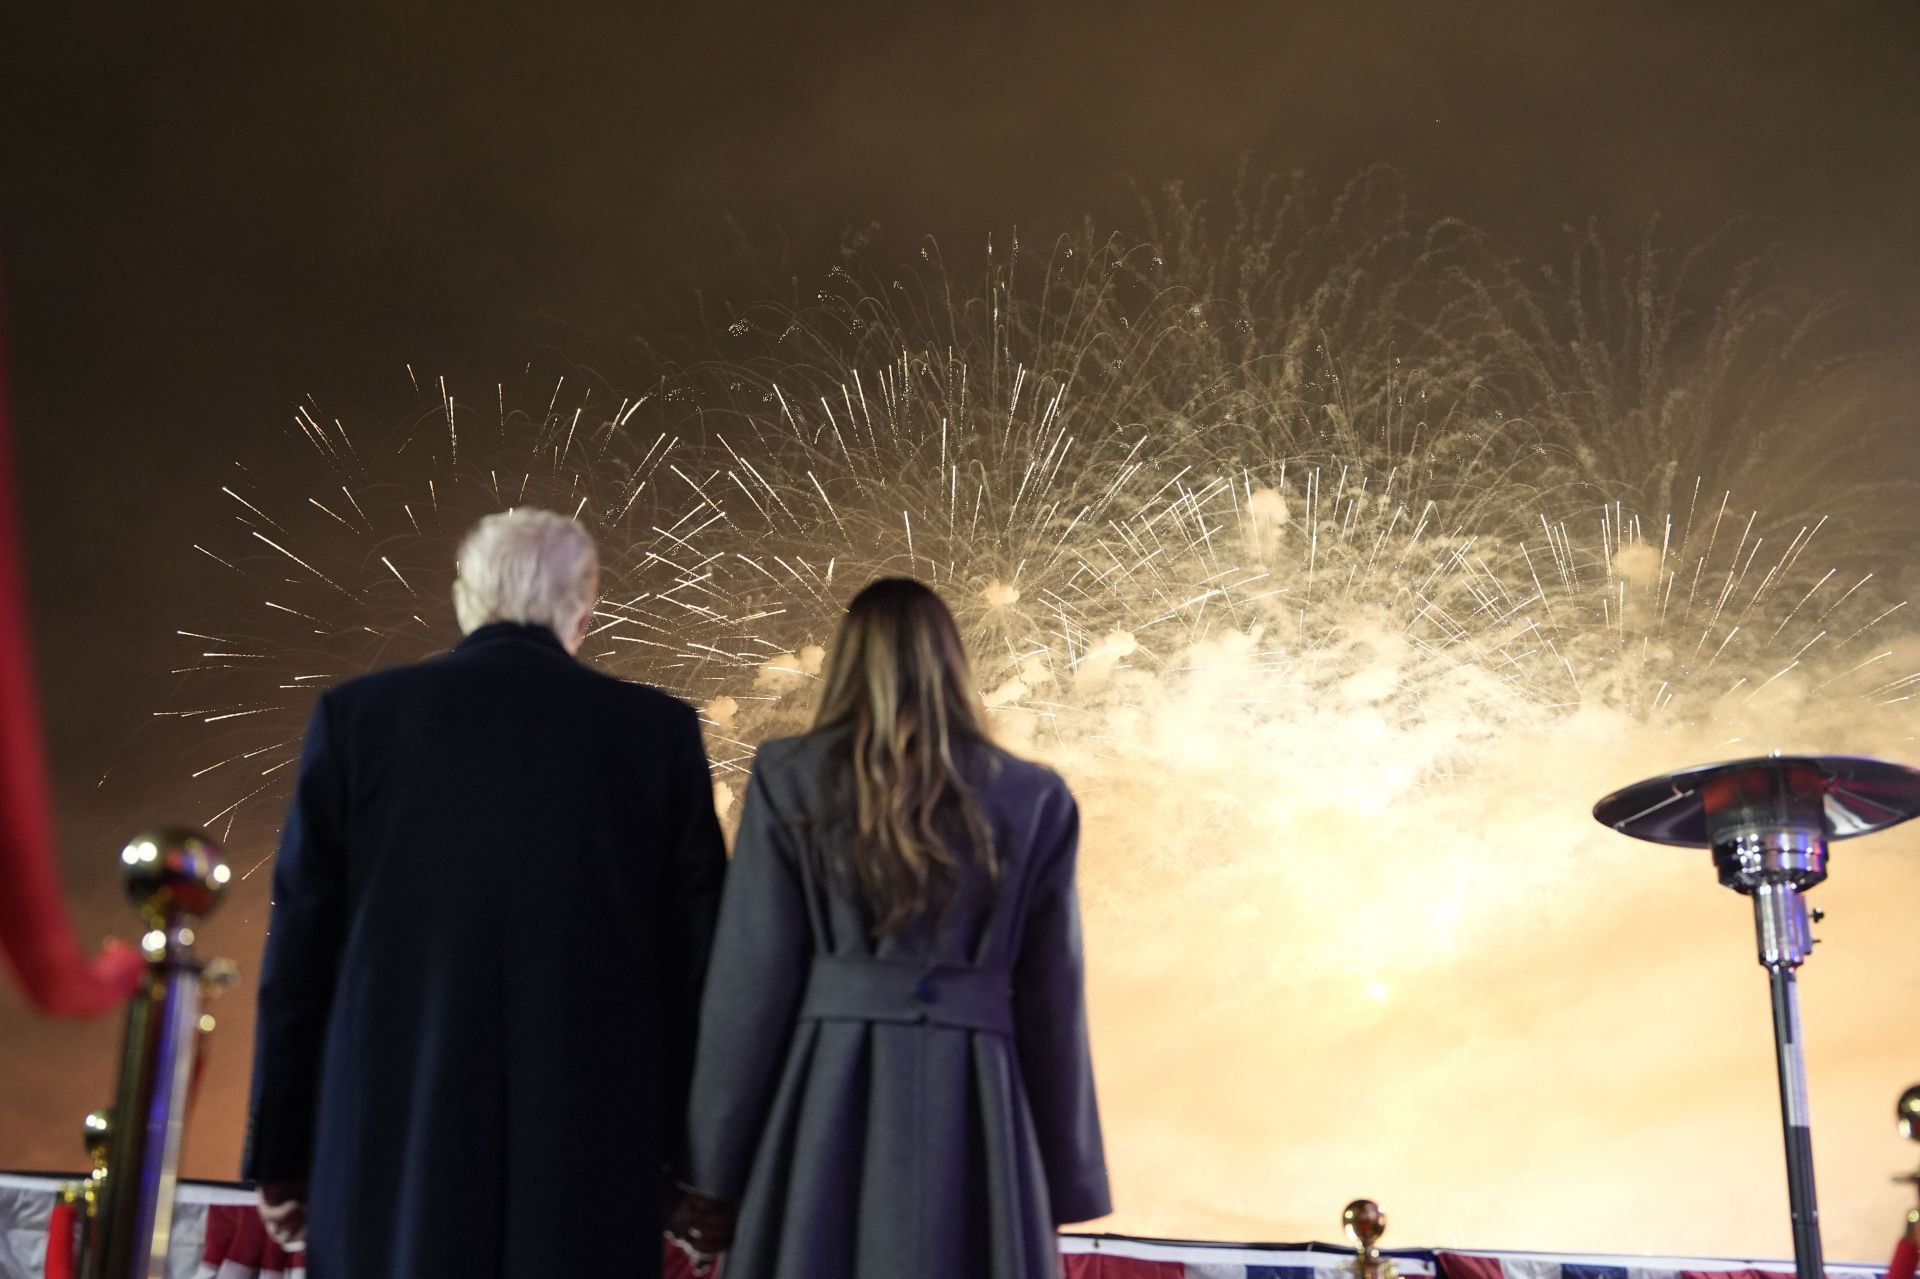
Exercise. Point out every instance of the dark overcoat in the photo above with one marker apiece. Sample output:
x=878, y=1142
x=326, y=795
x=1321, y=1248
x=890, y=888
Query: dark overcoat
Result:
x=918, y=1107
x=492, y=907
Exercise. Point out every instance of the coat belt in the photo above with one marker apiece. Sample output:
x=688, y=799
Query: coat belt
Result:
x=857, y=988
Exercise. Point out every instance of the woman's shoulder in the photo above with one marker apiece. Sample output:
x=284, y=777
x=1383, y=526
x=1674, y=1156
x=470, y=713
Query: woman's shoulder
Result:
x=1017, y=777
x=795, y=753
x=797, y=769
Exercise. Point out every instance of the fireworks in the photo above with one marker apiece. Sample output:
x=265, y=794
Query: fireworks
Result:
x=1288, y=548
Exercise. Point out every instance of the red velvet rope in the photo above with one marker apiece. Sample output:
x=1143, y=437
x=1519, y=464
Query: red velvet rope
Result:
x=35, y=933
x=60, y=1240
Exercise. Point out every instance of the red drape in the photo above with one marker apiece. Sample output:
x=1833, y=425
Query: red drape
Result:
x=35, y=933
x=1905, y=1255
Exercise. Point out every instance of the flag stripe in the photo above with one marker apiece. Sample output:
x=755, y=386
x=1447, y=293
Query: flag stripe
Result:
x=218, y=1235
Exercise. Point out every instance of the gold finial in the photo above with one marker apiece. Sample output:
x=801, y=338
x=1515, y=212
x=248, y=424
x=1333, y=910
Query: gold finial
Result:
x=173, y=874
x=1365, y=1223
x=96, y=1131
x=1906, y=1112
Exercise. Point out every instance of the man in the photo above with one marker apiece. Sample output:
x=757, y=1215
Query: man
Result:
x=492, y=906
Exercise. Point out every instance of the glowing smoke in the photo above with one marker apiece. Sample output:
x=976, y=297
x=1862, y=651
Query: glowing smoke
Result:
x=1336, y=628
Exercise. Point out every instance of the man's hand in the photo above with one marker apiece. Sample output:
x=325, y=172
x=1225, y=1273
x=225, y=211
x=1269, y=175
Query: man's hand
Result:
x=283, y=1211
x=700, y=1263
x=700, y=1226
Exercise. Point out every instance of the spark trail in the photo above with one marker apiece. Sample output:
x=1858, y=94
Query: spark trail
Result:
x=1336, y=621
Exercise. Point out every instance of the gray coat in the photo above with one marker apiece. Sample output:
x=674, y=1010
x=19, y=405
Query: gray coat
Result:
x=921, y=1107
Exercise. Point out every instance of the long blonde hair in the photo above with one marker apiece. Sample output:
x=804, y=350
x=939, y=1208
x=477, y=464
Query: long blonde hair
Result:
x=898, y=677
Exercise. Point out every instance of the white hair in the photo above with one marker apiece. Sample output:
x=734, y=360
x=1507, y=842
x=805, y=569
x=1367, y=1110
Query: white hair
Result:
x=529, y=566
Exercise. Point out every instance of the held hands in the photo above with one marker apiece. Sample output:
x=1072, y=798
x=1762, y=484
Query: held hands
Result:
x=700, y=1226
x=283, y=1211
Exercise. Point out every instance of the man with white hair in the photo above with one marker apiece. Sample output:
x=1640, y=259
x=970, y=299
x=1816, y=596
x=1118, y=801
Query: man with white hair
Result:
x=491, y=911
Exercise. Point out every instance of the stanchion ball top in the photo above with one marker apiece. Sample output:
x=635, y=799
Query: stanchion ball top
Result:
x=173, y=872
x=1907, y=1111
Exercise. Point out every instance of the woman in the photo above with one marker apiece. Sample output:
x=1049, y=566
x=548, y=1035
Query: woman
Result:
x=893, y=1079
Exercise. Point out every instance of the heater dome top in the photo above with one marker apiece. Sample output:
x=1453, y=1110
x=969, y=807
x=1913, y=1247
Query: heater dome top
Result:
x=1832, y=796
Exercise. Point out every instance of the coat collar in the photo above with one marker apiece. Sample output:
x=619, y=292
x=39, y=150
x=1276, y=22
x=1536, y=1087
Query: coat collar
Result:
x=512, y=632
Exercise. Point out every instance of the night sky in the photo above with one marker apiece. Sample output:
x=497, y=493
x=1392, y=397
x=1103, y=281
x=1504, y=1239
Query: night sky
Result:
x=211, y=211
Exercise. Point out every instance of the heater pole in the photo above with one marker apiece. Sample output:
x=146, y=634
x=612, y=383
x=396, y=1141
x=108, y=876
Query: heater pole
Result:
x=1794, y=1123
x=1769, y=822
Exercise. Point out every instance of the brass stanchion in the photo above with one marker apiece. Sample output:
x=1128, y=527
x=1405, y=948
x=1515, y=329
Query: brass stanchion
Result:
x=1365, y=1223
x=96, y=1133
x=175, y=877
x=1907, y=1112
x=70, y=1231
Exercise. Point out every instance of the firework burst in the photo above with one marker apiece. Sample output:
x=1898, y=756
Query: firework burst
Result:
x=1283, y=544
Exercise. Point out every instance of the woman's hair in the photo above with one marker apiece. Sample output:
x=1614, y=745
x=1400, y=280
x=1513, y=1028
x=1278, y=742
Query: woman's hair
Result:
x=899, y=680
x=529, y=566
